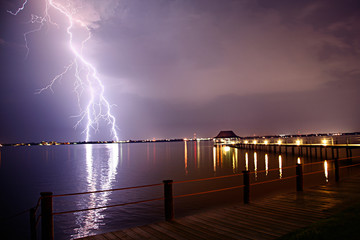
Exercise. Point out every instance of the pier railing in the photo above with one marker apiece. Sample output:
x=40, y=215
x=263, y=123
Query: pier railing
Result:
x=45, y=202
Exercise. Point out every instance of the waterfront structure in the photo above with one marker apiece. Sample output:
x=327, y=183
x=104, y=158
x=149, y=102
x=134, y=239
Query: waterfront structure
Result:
x=227, y=137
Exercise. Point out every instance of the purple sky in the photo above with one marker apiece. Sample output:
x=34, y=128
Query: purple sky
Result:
x=178, y=67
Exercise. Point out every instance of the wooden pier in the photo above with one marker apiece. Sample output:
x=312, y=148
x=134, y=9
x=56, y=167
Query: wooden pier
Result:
x=322, y=151
x=268, y=218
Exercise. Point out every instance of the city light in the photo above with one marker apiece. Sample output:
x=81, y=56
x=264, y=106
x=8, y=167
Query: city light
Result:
x=226, y=148
x=266, y=142
x=279, y=142
x=254, y=142
x=298, y=142
x=326, y=171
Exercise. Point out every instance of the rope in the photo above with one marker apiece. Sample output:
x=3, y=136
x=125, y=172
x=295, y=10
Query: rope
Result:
x=273, y=169
x=110, y=206
x=37, y=220
x=274, y=180
x=350, y=165
x=210, y=178
x=38, y=204
x=211, y=191
x=309, y=173
x=348, y=158
x=321, y=162
x=108, y=190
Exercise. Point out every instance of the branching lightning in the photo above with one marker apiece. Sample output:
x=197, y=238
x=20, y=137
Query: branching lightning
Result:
x=86, y=77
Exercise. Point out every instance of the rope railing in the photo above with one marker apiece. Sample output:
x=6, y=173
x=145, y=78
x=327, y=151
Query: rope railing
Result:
x=347, y=158
x=37, y=204
x=45, y=201
x=38, y=220
x=273, y=169
x=310, y=173
x=273, y=180
x=320, y=162
x=357, y=164
x=210, y=191
x=108, y=206
x=107, y=190
x=206, y=179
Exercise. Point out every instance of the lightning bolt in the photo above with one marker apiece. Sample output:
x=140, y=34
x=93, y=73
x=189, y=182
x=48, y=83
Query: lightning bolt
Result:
x=19, y=9
x=97, y=109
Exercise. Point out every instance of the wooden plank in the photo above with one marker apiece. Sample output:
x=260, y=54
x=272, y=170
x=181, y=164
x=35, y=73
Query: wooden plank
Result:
x=278, y=215
x=210, y=229
x=143, y=233
x=156, y=233
x=110, y=236
x=289, y=210
x=226, y=232
x=181, y=231
x=99, y=237
x=254, y=221
x=122, y=235
x=235, y=227
x=305, y=202
x=167, y=232
x=325, y=193
x=292, y=204
x=200, y=229
x=132, y=233
x=271, y=217
x=266, y=217
x=252, y=226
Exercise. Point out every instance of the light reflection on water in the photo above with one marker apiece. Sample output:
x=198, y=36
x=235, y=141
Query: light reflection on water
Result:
x=81, y=168
x=255, y=165
x=246, y=161
x=186, y=157
x=214, y=157
x=101, y=173
x=326, y=172
x=266, y=164
x=280, y=166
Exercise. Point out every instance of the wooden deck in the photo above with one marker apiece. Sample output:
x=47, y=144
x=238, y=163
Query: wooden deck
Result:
x=268, y=218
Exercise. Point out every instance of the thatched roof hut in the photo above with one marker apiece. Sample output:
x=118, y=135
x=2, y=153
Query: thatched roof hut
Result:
x=227, y=134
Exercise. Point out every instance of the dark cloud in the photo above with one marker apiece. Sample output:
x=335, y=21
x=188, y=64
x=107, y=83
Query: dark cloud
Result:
x=237, y=48
x=178, y=67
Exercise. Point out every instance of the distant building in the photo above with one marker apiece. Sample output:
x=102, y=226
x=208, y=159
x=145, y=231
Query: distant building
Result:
x=226, y=137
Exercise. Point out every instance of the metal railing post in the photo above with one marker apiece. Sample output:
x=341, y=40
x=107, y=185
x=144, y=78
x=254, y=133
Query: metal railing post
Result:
x=246, y=175
x=337, y=176
x=299, y=177
x=47, y=220
x=32, y=224
x=168, y=200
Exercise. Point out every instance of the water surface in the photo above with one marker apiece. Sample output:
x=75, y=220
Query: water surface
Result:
x=27, y=171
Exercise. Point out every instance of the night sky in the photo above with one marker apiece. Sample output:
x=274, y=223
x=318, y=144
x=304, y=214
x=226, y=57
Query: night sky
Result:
x=172, y=68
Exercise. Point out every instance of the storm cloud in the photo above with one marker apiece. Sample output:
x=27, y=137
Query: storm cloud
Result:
x=174, y=68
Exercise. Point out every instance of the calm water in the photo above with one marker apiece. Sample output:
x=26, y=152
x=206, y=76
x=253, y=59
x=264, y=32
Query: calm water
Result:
x=27, y=171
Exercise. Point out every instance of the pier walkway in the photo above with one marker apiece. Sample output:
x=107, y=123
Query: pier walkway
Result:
x=267, y=218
